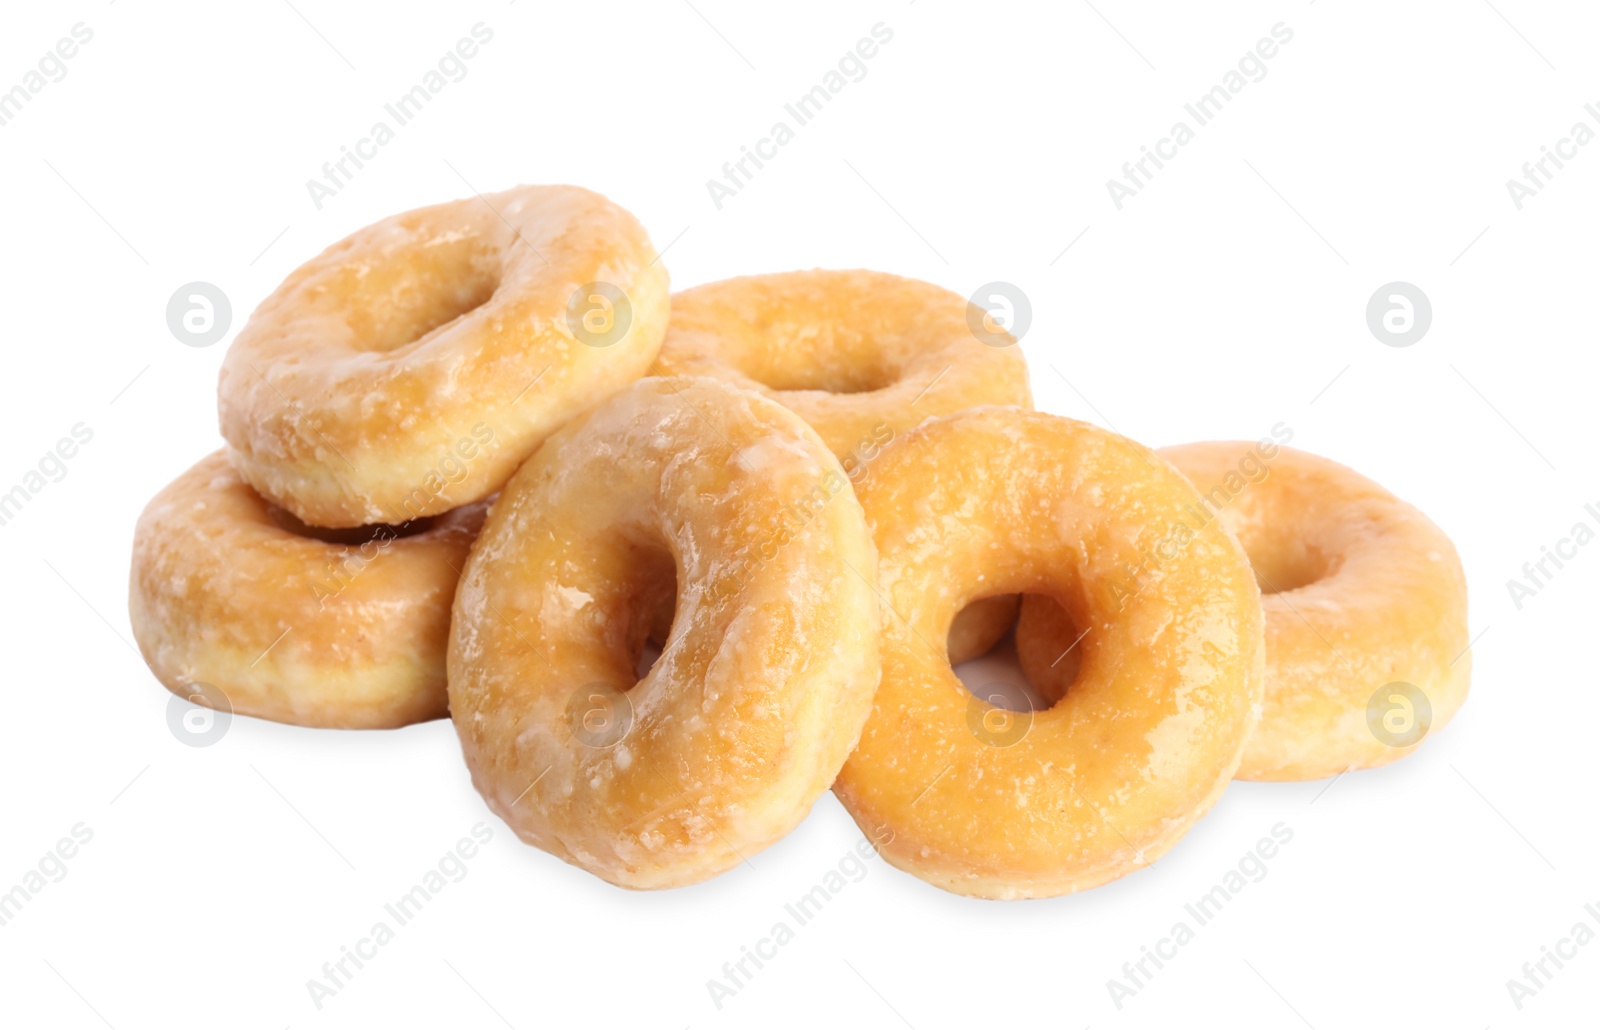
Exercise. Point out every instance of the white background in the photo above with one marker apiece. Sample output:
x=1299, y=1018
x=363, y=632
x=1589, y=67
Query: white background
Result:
x=1227, y=296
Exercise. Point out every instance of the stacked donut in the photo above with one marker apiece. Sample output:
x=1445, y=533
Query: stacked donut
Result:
x=677, y=566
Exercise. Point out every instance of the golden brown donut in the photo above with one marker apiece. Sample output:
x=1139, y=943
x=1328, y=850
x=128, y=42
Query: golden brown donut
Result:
x=411, y=367
x=861, y=356
x=1011, y=805
x=339, y=628
x=769, y=669
x=1365, y=601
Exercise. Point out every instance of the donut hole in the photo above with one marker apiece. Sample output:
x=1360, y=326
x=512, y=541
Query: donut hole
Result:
x=1011, y=681
x=651, y=609
x=797, y=358
x=1286, y=564
x=1061, y=664
x=655, y=640
x=828, y=377
x=980, y=627
x=353, y=536
x=997, y=678
x=1036, y=674
x=992, y=674
x=408, y=301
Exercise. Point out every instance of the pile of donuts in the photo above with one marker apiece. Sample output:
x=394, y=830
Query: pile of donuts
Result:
x=675, y=565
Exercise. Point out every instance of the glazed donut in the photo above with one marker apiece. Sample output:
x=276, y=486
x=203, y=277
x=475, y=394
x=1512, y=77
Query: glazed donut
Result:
x=997, y=804
x=861, y=356
x=1365, y=602
x=768, y=671
x=339, y=628
x=410, y=368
